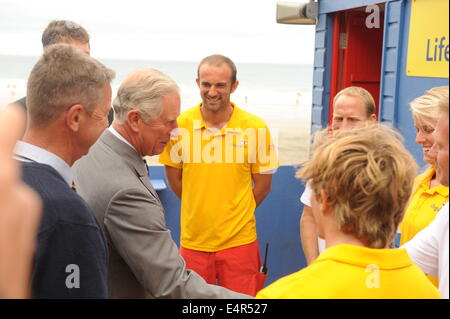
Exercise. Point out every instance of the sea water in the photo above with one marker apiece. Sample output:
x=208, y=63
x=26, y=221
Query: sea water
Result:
x=278, y=93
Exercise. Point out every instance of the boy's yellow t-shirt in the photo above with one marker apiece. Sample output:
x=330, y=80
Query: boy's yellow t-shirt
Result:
x=353, y=272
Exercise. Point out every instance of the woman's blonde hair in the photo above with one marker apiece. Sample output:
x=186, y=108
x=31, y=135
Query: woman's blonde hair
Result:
x=367, y=176
x=428, y=106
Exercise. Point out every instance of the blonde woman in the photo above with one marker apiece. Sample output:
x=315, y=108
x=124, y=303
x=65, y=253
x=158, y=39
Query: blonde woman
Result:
x=428, y=195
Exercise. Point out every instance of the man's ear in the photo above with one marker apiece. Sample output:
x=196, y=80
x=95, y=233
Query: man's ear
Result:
x=373, y=117
x=74, y=116
x=197, y=80
x=325, y=207
x=234, y=86
x=134, y=120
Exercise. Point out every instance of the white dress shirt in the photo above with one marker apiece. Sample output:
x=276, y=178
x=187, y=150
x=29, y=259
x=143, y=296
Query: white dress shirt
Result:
x=120, y=137
x=306, y=199
x=26, y=152
x=429, y=249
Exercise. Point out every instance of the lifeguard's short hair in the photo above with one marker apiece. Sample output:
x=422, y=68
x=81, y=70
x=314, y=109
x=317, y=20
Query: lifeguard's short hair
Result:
x=429, y=105
x=143, y=91
x=367, y=176
x=60, y=31
x=218, y=60
x=363, y=94
x=62, y=77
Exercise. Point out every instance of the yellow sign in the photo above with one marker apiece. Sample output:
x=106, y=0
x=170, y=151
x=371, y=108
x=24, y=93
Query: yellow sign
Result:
x=428, y=45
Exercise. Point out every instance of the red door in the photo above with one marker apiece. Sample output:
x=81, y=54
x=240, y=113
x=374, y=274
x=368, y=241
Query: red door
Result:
x=357, y=52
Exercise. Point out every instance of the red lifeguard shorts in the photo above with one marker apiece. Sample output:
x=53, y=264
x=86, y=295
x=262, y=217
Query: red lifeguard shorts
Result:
x=235, y=268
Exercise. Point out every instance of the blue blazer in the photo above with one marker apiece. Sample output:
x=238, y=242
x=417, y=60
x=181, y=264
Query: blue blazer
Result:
x=71, y=253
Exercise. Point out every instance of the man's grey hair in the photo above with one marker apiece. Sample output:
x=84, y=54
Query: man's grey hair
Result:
x=142, y=91
x=64, y=76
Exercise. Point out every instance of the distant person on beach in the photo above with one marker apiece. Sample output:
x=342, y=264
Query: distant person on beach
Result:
x=353, y=107
x=361, y=180
x=429, y=195
x=429, y=249
x=144, y=260
x=69, y=98
x=20, y=211
x=220, y=165
x=63, y=31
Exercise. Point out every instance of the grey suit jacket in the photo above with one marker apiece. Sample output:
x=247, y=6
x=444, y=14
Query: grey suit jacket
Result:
x=144, y=261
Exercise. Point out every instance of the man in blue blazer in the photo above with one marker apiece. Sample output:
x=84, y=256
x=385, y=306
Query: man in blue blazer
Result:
x=68, y=97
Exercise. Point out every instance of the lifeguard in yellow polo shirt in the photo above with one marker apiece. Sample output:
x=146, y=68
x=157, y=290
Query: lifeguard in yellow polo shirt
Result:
x=362, y=180
x=220, y=165
x=429, y=195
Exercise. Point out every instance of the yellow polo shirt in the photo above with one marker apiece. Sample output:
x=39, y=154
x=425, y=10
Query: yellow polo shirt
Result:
x=353, y=272
x=217, y=202
x=424, y=205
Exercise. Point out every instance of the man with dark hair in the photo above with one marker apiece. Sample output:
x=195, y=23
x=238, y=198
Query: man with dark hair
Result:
x=221, y=168
x=69, y=98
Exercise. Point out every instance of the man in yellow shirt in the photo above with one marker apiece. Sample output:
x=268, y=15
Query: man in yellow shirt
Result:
x=220, y=151
x=362, y=180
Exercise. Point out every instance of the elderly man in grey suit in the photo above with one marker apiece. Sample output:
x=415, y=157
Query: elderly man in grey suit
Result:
x=144, y=261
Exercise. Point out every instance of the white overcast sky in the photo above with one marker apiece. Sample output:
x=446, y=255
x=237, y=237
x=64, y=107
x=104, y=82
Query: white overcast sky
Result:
x=186, y=30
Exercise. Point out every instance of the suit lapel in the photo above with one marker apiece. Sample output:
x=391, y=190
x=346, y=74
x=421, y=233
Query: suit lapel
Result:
x=131, y=157
x=146, y=181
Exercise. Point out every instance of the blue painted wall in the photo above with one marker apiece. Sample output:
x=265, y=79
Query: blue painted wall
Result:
x=277, y=221
x=322, y=72
x=327, y=6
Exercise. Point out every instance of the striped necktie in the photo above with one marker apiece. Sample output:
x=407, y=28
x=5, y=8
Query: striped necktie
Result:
x=74, y=187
